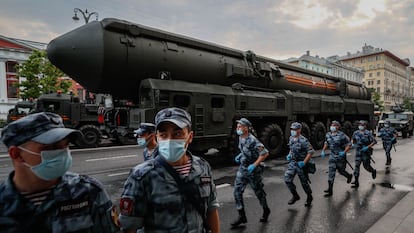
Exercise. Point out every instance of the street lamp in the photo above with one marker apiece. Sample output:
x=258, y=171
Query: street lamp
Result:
x=86, y=15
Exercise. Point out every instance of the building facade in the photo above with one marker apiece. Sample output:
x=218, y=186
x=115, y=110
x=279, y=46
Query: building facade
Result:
x=387, y=74
x=12, y=52
x=331, y=66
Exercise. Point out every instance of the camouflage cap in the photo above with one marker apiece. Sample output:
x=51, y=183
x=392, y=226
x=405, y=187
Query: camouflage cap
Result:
x=43, y=127
x=362, y=122
x=144, y=128
x=296, y=125
x=336, y=123
x=177, y=116
x=244, y=121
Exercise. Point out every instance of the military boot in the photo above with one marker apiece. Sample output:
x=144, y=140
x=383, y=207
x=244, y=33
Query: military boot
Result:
x=374, y=174
x=294, y=198
x=349, y=179
x=355, y=183
x=242, y=219
x=265, y=216
x=328, y=192
x=309, y=200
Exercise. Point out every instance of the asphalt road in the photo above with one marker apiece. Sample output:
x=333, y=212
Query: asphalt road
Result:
x=348, y=210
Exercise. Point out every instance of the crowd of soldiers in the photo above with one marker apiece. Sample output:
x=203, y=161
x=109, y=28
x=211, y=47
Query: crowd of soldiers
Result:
x=171, y=191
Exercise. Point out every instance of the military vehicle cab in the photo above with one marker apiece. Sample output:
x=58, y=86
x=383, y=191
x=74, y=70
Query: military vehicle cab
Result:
x=21, y=109
x=399, y=119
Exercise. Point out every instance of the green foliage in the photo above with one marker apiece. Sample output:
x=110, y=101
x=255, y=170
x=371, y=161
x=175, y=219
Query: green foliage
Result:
x=2, y=123
x=407, y=104
x=376, y=98
x=41, y=77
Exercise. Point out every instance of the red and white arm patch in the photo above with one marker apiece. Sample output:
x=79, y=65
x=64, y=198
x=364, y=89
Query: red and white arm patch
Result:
x=126, y=205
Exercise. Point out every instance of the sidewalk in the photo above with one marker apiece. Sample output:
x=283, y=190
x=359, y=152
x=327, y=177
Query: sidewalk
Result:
x=399, y=219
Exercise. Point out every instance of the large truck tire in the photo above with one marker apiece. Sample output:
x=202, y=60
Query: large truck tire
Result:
x=404, y=133
x=91, y=135
x=306, y=132
x=272, y=138
x=347, y=128
x=318, y=134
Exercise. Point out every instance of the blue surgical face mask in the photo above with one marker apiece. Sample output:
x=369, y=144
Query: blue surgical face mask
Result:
x=293, y=133
x=172, y=149
x=333, y=129
x=142, y=142
x=386, y=125
x=239, y=132
x=360, y=127
x=55, y=163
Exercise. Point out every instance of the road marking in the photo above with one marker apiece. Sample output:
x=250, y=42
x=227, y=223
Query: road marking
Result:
x=4, y=156
x=118, y=174
x=222, y=185
x=403, y=187
x=111, y=158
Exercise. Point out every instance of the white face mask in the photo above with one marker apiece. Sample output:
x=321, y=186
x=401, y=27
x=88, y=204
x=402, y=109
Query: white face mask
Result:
x=55, y=163
x=333, y=129
x=172, y=149
x=361, y=127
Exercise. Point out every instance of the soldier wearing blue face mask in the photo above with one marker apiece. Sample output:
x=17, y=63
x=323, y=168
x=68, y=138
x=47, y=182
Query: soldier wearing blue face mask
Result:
x=40, y=195
x=174, y=192
x=146, y=138
x=388, y=136
x=364, y=141
x=339, y=145
x=300, y=154
x=252, y=153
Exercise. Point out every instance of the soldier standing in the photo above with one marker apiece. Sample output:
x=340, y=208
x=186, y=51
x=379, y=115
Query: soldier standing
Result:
x=146, y=138
x=389, y=137
x=40, y=195
x=339, y=144
x=174, y=192
x=252, y=153
x=364, y=142
x=300, y=153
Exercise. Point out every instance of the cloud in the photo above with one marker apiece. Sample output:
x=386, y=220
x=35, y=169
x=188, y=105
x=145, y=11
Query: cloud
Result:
x=277, y=29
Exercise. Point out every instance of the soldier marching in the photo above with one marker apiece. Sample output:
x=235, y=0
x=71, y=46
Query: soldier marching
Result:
x=339, y=145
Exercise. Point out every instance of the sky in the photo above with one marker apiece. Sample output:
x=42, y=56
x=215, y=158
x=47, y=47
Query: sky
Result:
x=278, y=29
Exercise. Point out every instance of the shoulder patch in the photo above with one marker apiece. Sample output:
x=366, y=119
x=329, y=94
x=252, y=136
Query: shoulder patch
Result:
x=142, y=169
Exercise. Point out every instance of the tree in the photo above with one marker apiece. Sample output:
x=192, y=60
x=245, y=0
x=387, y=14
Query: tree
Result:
x=376, y=98
x=407, y=104
x=41, y=77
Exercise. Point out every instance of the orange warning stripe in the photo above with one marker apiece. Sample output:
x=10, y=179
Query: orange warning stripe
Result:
x=308, y=82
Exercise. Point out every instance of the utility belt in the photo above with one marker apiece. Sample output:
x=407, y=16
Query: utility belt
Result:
x=297, y=160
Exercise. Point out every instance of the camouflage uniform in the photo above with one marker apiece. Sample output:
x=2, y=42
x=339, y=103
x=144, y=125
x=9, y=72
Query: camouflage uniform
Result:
x=251, y=149
x=77, y=203
x=148, y=156
x=337, y=142
x=152, y=199
x=299, y=148
x=387, y=134
x=362, y=138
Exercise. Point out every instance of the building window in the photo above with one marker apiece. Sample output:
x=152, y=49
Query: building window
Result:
x=378, y=82
x=12, y=79
x=378, y=74
x=370, y=74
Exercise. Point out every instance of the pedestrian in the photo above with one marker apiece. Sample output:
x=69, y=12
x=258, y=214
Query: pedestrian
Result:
x=363, y=141
x=40, y=194
x=174, y=192
x=388, y=136
x=146, y=138
x=339, y=145
x=252, y=154
x=300, y=154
